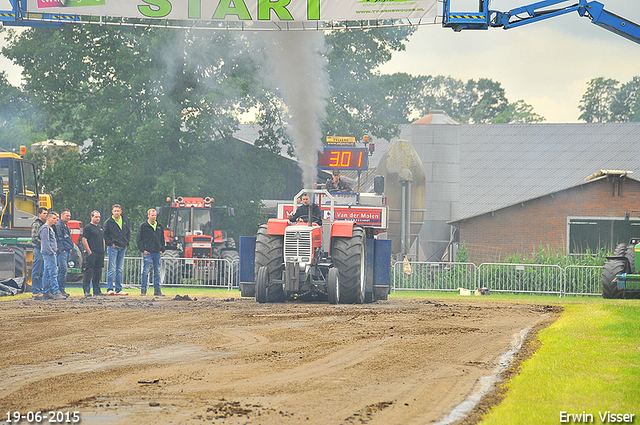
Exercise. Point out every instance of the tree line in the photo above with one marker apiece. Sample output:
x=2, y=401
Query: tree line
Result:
x=155, y=110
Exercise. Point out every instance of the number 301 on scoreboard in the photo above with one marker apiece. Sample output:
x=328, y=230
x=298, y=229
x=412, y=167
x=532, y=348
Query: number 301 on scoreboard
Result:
x=343, y=159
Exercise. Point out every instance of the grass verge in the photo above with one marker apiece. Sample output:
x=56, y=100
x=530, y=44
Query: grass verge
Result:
x=588, y=363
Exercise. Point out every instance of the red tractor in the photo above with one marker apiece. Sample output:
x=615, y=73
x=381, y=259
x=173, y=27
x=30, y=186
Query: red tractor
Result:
x=340, y=261
x=74, y=272
x=194, y=249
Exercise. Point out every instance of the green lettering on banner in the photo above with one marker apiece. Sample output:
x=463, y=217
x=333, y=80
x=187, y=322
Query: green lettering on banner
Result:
x=278, y=6
x=232, y=7
x=194, y=9
x=73, y=3
x=157, y=8
x=313, y=10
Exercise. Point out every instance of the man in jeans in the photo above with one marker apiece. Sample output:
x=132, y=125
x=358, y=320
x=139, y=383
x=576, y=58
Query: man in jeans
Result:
x=116, y=237
x=49, y=249
x=38, y=265
x=65, y=245
x=151, y=244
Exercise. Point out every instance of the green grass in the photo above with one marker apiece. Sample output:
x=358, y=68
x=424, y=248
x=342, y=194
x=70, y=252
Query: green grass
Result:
x=588, y=361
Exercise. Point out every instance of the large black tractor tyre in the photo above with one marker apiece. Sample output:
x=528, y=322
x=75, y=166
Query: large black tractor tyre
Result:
x=269, y=253
x=349, y=257
x=265, y=291
x=228, y=270
x=20, y=256
x=170, y=273
x=262, y=284
x=333, y=286
x=612, y=268
x=77, y=259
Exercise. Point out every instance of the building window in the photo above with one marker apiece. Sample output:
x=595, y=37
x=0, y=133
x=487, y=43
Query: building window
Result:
x=590, y=234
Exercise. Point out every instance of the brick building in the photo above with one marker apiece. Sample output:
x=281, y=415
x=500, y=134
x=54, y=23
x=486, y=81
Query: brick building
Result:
x=578, y=219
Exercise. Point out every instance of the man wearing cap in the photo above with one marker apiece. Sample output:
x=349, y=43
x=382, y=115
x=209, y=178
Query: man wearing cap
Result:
x=336, y=184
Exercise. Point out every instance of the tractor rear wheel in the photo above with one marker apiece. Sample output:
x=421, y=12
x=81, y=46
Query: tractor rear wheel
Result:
x=333, y=286
x=170, y=268
x=611, y=269
x=228, y=269
x=269, y=253
x=349, y=257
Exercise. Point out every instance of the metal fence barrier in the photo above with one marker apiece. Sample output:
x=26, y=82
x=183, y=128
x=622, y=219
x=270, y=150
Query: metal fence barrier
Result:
x=206, y=272
x=432, y=276
x=498, y=277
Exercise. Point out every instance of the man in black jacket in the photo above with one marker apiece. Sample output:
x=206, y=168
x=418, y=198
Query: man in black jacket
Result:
x=116, y=237
x=302, y=213
x=151, y=244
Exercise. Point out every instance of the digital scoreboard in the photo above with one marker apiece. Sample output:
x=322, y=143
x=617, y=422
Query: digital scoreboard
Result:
x=342, y=158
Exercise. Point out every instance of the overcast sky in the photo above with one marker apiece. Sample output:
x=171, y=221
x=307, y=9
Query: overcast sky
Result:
x=547, y=63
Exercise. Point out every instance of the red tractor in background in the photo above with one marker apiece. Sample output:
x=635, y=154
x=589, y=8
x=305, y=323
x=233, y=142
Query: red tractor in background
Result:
x=193, y=248
x=76, y=259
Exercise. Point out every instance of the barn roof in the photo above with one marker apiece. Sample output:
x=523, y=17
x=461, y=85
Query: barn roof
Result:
x=506, y=164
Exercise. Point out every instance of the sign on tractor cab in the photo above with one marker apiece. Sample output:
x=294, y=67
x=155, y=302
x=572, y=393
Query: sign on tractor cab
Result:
x=367, y=216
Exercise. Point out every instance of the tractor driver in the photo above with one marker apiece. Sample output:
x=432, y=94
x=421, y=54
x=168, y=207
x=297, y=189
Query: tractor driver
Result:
x=302, y=213
x=336, y=184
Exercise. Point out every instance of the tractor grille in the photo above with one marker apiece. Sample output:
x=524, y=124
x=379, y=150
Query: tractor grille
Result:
x=297, y=245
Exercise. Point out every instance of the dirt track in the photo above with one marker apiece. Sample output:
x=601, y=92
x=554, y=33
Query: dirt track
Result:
x=150, y=361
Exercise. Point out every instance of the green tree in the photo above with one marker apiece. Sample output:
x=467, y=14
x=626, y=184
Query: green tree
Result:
x=625, y=106
x=518, y=112
x=149, y=103
x=359, y=100
x=597, y=101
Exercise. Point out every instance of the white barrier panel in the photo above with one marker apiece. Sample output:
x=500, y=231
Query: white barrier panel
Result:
x=498, y=277
x=217, y=273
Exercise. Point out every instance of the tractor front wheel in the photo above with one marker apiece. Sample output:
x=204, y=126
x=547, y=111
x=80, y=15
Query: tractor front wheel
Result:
x=333, y=286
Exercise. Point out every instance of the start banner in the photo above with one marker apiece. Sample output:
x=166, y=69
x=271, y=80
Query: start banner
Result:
x=243, y=10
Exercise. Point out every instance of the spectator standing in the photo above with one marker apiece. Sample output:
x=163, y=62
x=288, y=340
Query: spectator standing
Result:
x=116, y=237
x=151, y=244
x=38, y=265
x=93, y=241
x=65, y=245
x=49, y=250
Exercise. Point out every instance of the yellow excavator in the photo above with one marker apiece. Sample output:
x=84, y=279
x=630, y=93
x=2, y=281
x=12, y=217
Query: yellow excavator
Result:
x=19, y=202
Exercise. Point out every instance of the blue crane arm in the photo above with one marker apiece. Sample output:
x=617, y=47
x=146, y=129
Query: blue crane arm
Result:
x=545, y=9
x=19, y=16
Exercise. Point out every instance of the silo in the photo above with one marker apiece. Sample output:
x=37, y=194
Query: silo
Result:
x=405, y=190
x=436, y=139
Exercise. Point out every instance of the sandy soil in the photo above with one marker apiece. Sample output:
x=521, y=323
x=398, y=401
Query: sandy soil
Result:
x=119, y=360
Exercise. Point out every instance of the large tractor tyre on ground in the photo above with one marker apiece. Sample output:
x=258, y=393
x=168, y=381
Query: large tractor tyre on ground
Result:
x=262, y=284
x=266, y=292
x=349, y=257
x=333, y=286
x=228, y=269
x=269, y=253
x=612, y=268
x=20, y=261
x=75, y=258
x=170, y=273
